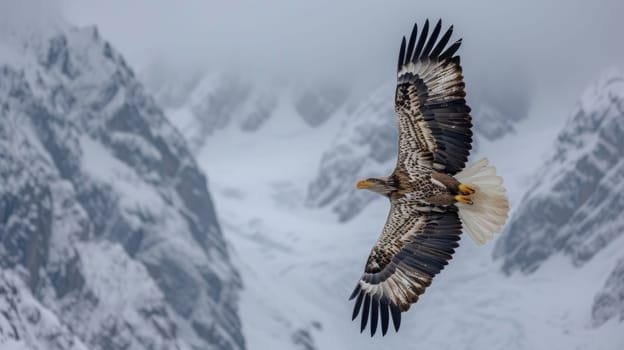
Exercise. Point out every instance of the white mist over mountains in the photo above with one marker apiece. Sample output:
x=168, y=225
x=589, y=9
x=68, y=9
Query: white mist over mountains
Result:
x=546, y=46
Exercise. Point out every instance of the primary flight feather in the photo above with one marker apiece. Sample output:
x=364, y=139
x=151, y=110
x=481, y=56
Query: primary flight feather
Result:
x=430, y=192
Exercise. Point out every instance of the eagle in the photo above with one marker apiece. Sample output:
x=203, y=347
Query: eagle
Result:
x=432, y=197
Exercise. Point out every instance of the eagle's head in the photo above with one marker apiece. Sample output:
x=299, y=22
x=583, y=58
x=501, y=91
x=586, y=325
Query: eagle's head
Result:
x=381, y=185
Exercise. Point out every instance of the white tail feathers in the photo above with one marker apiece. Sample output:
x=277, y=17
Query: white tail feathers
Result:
x=486, y=217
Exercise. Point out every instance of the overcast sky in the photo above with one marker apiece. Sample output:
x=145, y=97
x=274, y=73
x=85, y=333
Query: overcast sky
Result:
x=555, y=48
x=557, y=42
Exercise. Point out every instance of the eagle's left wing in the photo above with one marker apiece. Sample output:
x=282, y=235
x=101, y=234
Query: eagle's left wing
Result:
x=413, y=248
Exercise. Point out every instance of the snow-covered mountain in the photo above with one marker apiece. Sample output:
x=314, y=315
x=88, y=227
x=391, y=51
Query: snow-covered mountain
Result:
x=574, y=205
x=316, y=105
x=205, y=103
x=366, y=144
x=108, y=234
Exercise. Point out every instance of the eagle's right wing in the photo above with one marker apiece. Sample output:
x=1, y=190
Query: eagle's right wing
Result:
x=433, y=118
x=412, y=249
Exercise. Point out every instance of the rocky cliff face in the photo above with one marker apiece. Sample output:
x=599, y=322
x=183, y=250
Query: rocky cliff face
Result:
x=574, y=207
x=108, y=235
x=609, y=303
x=26, y=323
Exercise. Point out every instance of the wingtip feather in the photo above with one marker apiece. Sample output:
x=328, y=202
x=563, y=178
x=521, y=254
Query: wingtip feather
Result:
x=374, y=315
x=396, y=316
x=365, y=311
x=357, y=306
x=401, y=55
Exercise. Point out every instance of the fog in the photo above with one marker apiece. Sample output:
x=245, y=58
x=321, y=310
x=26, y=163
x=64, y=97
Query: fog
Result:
x=552, y=43
x=549, y=50
x=28, y=15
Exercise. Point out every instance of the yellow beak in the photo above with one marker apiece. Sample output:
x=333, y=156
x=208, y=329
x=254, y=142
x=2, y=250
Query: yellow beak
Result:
x=363, y=184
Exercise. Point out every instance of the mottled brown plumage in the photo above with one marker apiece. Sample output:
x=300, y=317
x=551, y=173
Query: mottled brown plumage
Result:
x=423, y=227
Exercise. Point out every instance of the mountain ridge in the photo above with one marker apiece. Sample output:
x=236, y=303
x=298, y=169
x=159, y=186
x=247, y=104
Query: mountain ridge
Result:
x=584, y=164
x=105, y=214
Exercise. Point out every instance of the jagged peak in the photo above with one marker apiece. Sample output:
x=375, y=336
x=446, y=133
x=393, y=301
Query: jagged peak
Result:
x=88, y=153
x=608, y=86
x=591, y=111
x=570, y=206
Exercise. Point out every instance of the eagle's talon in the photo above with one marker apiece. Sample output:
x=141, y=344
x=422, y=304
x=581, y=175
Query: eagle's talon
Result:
x=466, y=190
x=463, y=199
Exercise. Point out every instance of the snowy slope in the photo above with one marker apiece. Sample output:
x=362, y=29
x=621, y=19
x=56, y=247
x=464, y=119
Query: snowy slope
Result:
x=299, y=264
x=108, y=235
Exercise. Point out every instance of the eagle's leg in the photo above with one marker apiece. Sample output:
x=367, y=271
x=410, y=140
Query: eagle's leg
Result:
x=463, y=199
x=460, y=192
x=452, y=184
x=465, y=189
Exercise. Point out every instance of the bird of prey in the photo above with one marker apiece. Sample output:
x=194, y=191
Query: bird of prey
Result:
x=431, y=195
